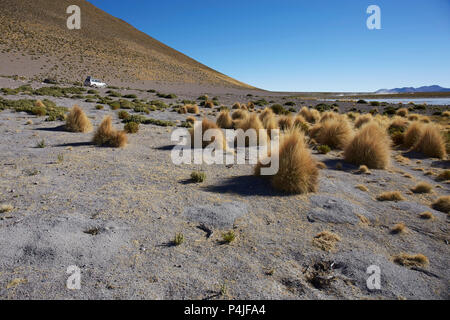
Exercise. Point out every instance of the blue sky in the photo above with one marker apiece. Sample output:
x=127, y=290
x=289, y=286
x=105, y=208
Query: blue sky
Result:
x=296, y=45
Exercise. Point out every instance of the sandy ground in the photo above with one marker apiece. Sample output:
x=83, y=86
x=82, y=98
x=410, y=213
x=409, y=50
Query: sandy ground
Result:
x=136, y=200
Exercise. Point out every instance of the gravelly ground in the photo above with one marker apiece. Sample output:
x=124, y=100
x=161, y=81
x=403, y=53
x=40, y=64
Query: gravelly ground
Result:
x=137, y=200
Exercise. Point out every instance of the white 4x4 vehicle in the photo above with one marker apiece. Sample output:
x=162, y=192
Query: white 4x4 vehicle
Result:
x=91, y=82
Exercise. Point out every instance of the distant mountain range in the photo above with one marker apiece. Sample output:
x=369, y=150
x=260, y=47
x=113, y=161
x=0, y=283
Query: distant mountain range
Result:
x=433, y=88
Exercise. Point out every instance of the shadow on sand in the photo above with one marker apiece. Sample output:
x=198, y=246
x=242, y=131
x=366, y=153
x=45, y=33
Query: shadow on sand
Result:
x=245, y=186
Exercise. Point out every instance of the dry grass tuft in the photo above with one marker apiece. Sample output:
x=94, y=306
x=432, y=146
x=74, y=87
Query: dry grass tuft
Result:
x=427, y=215
x=205, y=125
x=192, y=108
x=253, y=122
x=413, y=117
x=363, y=119
x=321, y=165
x=390, y=196
x=326, y=240
x=310, y=115
x=236, y=105
x=413, y=134
x=270, y=123
x=224, y=120
x=443, y=176
x=431, y=142
x=107, y=136
x=370, y=147
x=398, y=228
x=267, y=112
x=411, y=260
x=334, y=133
x=239, y=114
x=6, y=208
x=298, y=172
x=362, y=187
x=77, y=121
x=286, y=122
x=363, y=169
x=402, y=112
x=442, y=204
x=422, y=187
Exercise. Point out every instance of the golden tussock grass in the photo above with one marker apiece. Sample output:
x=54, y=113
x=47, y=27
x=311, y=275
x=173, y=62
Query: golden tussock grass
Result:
x=205, y=125
x=422, y=187
x=192, y=108
x=270, y=123
x=321, y=165
x=224, y=120
x=427, y=215
x=326, y=240
x=363, y=169
x=253, y=122
x=363, y=119
x=107, y=136
x=77, y=121
x=398, y=124
x=446, y=114
x=398, y=228
x=208, y=104
x=6, y=208
x=236, y=105
x=334, y=133
x=362, y=187
x=402, y=112
x=300, y=122
x=310, y=115
x=190, y=119
x=265, y=113
x=239, y=114
x=402, y=159
x=182, y=110
x=329, y=115
x=431, y=142
x=370, y=147
x=390, y=196
x=286, y=122
x=411, y=260
x=413, y=117
x=443, y=175
x=442, y=204
x=298, y=172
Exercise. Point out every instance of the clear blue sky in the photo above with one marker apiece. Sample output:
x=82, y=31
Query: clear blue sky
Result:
x=296, y=45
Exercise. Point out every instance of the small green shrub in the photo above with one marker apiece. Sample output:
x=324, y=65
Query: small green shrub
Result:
x=278, y=109
x=131, y=127
x=123, y=115
x=178, y=240
x=323, y=149
x=41, y=144
x=198, y=176
x=99, y=107
x=361, y=101
x=229, y=236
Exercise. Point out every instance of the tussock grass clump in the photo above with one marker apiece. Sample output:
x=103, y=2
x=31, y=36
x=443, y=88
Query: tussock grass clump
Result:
x=422, y=187
x=267, y=112
x=224, y=120
x=253, y=122
x=363, y=169
x=286, y=122
x=208, y=104
x=402, y=112
x=370, y=147
x=362, y=187
x=77, y=121
x=301, y=123
x=411, y=260
x=182, y=110
x=122, y=114
x=6, y=208
x=239, y=114
x=363, y=119
x=298, y=172
x=398, y=228
x=270, y=123
x=431, y=142
x=190, y=119
x=107, y=136
x=204, y=126
x=192, y=108
x=445, y=114
x=321, y=165
x=131, y=127
x=310, y=115
x=413, y=134
x=413, y=117
x=390, y=196
x=443, y=176
x=236, y=105
x=442, y=204
x=427, y=215
x=41, y=144
x=198, y=176
x=329, y=115
x=326, y=240
x=334, y=133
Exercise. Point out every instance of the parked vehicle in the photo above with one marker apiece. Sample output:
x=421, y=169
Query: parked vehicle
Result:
x=91, y=82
